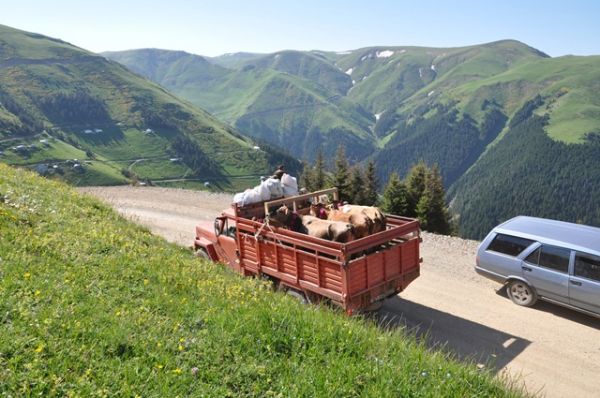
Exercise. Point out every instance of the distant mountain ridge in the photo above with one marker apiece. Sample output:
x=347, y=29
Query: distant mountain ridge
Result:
x=78, y=116
x=400, y=104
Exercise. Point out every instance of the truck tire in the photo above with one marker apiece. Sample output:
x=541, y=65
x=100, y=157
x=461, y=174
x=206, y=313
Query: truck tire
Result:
x=300, y=296
x=201, y=253
x=521, y=293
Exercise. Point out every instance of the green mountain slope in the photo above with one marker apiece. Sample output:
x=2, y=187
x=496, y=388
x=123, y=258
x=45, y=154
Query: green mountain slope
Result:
x=450, y=106
x=310, y=66
x=388, y=77
x=170, y=68
x=78, y=116
x=291, y=99
x=527, y=172
x=234, y=60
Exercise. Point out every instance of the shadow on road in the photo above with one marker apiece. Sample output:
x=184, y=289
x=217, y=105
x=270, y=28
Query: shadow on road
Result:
x=468, y=340
x=562, y=312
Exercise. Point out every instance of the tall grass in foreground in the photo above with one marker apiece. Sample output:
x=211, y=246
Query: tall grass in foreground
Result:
x=92, y=305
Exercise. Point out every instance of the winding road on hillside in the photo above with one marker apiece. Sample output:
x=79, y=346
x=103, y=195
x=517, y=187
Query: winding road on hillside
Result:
x=554, y=352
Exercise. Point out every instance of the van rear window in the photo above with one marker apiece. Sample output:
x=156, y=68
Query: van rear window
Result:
x=508, y=244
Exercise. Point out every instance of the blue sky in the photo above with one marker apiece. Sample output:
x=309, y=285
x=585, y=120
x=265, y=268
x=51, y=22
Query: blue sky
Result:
x=217, y=27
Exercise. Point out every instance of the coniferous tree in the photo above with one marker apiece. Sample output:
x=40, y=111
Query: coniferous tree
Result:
x=318, y=172
x=357, y=183
x=395, y=196
x=306, y=179
x=341, y=174
x=431, y=208
x=371, y=185
x=415, y=184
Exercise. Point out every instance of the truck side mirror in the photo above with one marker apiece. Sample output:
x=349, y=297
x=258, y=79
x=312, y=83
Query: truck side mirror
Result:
x=219, y=226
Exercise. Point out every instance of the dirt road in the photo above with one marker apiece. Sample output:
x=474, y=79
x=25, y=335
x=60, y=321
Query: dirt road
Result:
x=553, y=351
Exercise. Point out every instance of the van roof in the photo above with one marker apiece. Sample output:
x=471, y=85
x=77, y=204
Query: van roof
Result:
x=576, y=236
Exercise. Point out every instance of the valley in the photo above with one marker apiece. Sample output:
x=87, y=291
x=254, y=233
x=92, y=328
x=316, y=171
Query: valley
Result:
x=454, y=107
x=481, y=113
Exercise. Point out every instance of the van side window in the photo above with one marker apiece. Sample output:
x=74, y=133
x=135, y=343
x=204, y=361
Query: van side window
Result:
x=534, y=257
x=587, y=266
x=507, y=244
x=552, y=257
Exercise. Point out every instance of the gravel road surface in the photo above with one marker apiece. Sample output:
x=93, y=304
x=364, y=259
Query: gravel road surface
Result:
x=553, y=351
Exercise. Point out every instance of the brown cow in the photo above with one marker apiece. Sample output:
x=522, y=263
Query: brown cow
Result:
x=358, y=218
x=314, y=226
x=374, y=213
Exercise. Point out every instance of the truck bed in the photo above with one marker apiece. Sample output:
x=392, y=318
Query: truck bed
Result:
x=353, y=275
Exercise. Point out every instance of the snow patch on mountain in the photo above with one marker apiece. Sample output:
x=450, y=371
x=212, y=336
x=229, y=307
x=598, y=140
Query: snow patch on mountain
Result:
x=378, y=115
x=433, y=67
x=384, y=54
x=429, y=94
x=349, y=71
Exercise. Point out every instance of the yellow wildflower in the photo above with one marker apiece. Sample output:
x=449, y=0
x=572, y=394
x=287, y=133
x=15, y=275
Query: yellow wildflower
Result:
x=27, y=275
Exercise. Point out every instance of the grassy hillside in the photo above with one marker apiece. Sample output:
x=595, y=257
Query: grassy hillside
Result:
x=170, y=68
x=292, y=99
x=89, y=120
x=233, y=60
x=103, y=308
x=310, y=66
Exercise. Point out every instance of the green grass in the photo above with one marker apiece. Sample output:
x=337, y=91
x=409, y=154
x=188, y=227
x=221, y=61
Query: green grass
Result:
x=93, y=305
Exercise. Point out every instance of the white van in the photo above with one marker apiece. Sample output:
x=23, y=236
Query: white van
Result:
x=537, y=258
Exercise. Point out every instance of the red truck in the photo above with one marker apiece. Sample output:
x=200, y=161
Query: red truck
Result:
x=357, y=275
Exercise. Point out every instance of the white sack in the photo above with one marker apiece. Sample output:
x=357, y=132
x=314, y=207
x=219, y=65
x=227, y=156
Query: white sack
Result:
x=288, y=180
x=275, y=187
x=289, y=191
x=263, y=191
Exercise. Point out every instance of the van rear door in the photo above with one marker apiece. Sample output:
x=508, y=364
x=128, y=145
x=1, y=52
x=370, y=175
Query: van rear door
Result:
x=584, y=284
x=547, y=270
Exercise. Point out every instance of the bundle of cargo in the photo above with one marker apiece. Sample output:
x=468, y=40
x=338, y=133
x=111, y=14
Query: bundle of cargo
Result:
x=268, y=189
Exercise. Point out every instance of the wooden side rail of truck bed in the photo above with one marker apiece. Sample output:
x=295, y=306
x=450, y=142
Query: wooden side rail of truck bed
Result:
x=353, y=275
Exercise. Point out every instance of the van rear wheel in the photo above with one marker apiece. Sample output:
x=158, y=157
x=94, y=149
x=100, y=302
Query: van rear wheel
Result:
x=521, y=293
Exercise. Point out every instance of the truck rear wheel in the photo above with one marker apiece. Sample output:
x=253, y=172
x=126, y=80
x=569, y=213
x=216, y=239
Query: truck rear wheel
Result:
x=301, y=297
x=298, y=295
